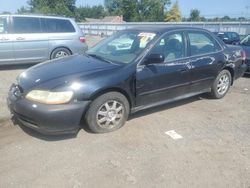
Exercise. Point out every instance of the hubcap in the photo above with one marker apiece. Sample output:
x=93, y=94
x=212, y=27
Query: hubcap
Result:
x=61, y=54
x=223, y=84
x=110, y=114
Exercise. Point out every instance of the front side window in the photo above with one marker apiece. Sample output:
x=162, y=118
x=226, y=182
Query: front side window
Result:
x=172, y=46
x=23, y=25
x=123, y=47
x=202, y=43
x=3, y=25
x=59, y=26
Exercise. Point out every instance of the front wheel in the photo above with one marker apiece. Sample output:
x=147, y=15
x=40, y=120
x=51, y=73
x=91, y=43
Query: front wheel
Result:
x=221, y=84
x=107, y=113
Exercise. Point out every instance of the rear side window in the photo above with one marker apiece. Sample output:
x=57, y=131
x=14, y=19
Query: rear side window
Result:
x=3, y=25
x=202, y=43
x=59, y=26
x=26, y=25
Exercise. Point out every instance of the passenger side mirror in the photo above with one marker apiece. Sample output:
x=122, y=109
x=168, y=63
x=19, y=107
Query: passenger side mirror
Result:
x=154, y=59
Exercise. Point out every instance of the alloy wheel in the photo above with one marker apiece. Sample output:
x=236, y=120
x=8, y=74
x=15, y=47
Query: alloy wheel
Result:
x=110, y=114
x=223, y=84
x=61, y=54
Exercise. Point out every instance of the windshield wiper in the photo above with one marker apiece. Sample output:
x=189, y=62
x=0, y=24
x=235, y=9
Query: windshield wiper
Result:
x=100, y=58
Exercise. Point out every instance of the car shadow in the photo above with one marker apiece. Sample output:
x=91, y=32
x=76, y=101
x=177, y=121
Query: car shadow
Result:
x=15, y=67
x=50, y=138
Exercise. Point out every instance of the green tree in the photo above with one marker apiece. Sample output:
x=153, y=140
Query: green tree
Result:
x=195, y=15
x=113, y=6
x=151, y=10
x=59, y=7
x=137, y=10
x=23, y=10
x=5, y=12
x=174, y=14
x=89, y=12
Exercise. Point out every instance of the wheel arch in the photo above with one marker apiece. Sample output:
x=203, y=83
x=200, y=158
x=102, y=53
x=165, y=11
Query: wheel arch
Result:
x=231, y=70
x=113, y=89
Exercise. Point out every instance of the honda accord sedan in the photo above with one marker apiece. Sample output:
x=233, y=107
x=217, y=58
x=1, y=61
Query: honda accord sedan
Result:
x=104, y=86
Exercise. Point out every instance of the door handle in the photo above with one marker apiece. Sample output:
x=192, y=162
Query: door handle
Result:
x=20, y=38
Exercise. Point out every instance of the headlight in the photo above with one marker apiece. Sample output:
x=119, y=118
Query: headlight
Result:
x=48, y=97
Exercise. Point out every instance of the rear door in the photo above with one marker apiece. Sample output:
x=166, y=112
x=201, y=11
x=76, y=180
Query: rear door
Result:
x=61, y=33
x=30, y=43
x=6, y=44
x=205, y=58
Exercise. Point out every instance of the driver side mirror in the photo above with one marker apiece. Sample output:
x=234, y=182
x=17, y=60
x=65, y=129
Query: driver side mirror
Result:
x=154, y=59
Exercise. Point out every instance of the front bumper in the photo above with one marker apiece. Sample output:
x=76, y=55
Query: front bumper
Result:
x=47, y=119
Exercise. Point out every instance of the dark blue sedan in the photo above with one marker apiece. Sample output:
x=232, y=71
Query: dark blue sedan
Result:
x=130, y=71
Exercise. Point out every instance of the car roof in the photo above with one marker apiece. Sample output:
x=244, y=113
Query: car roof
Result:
x=35, y=15
x=163, y=29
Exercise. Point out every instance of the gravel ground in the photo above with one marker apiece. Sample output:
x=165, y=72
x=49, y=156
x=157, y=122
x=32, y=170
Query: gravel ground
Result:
x=214, y=150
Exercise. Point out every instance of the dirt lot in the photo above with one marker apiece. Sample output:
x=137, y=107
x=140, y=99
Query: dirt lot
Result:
x=214, y=150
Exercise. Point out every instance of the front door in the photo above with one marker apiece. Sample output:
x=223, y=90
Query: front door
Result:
x=169, y=80
x=30, y=43
x=6, y=44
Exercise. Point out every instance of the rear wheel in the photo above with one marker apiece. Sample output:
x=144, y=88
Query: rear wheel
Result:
x=107, y=113
x=60, y=52
x=221, y=84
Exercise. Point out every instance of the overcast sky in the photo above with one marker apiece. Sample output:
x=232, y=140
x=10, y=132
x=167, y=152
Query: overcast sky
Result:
x=208, y=8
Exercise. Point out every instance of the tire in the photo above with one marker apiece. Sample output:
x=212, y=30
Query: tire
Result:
x=107, y=113
x=60, y=52
x=221, y=84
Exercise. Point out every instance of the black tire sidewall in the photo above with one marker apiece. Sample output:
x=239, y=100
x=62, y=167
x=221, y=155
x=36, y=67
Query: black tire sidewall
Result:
x=214, y=92
x=90, y=116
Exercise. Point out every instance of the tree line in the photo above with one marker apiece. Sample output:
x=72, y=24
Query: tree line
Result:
x=132, y=10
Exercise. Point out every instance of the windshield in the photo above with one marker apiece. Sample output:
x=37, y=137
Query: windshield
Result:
x=123, y=47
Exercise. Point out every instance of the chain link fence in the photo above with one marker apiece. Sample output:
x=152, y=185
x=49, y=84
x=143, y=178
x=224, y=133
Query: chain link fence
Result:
x=107, y=29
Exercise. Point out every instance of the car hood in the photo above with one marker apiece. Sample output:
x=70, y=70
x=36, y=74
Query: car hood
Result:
x=61, y=71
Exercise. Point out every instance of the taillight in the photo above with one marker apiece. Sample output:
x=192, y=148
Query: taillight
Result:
x=82, y=39
x=244, y=56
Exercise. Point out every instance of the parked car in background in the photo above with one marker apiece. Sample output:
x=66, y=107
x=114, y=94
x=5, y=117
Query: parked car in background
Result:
x=33, y=39
x=105, y=85
x=229, y=37
x=245, y=43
